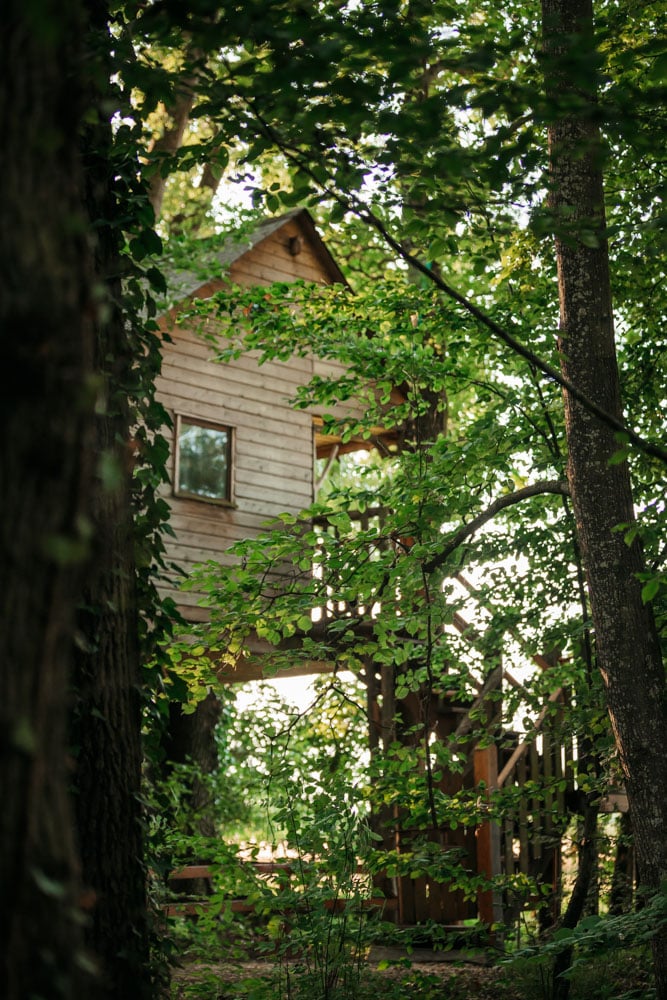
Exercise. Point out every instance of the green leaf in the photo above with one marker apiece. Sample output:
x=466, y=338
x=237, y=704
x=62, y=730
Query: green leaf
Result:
x=563, y=934
x=23, y=736
x=650, y=589
x=658, y=70
x=110, y=471
x=591, y=921
x=49, y=886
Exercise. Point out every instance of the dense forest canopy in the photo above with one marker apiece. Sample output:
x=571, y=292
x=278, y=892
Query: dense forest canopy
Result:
x=492, y=182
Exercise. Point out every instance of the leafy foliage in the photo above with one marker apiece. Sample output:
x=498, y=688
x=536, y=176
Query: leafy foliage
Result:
x=418, y=131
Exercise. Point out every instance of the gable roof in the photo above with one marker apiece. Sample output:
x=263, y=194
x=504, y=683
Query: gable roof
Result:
x=219, y=253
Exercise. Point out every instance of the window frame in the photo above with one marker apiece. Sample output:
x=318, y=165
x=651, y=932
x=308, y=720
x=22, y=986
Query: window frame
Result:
x=179, y=420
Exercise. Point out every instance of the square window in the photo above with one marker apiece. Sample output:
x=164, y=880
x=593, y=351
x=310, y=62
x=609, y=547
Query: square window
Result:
x=203, y=460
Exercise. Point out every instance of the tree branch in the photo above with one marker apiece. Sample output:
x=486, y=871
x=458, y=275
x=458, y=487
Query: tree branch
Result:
x=351, y=204
x=507, y=500
x=171, y=139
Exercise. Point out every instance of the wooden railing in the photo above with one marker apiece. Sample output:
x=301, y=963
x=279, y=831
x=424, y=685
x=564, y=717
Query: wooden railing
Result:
x=525, y=789
x=527, y=792
x=362, y=521
x=534, y=775
x=288, y=874
x=377, y=518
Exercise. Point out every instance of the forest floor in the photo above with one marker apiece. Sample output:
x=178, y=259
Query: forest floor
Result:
x=618, y=976
x=419, y=980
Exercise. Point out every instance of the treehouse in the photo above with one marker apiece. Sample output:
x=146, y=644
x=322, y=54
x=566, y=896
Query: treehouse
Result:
x=242, y=455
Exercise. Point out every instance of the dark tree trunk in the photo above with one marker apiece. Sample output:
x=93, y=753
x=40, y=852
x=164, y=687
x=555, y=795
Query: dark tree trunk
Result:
x=106, y=725
x=627, y=645
x=623, y=877
x=108, y=767
x=106, y=731
x=191, y=738
x=46, y=332
x=587, y=857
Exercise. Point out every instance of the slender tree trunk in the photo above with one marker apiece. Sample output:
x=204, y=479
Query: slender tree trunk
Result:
x=46, y=333
x=587, y=856
x=622, y=881
x=627, y=645
x=191, y=739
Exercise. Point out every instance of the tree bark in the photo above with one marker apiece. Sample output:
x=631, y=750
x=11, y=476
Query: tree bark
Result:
x=46, y=333
x=627, y=646
x=106, y=718
x=587, y=857
x=622, y=881
x=107, y=735
x=171, y=139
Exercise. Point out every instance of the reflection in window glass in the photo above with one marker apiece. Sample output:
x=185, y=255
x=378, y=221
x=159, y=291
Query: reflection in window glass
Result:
x=204, y=460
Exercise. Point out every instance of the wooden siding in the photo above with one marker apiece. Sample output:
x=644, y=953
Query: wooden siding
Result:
x=271, y=260
x=273, y=444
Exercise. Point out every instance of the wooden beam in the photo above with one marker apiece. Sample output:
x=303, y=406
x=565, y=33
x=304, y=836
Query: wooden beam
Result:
x=253, y=669
x=193, y=908
x=487, y=836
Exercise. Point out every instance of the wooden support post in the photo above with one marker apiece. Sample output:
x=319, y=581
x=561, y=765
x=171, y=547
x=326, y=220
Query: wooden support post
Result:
x=388, y=714
x=537, y=805
x=489, y=903
x=382, y=820
x=372, y=707
x=524, y=858
x=547, y=756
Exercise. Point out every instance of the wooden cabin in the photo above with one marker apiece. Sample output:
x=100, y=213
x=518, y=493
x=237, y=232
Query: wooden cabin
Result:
x=240, y=452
